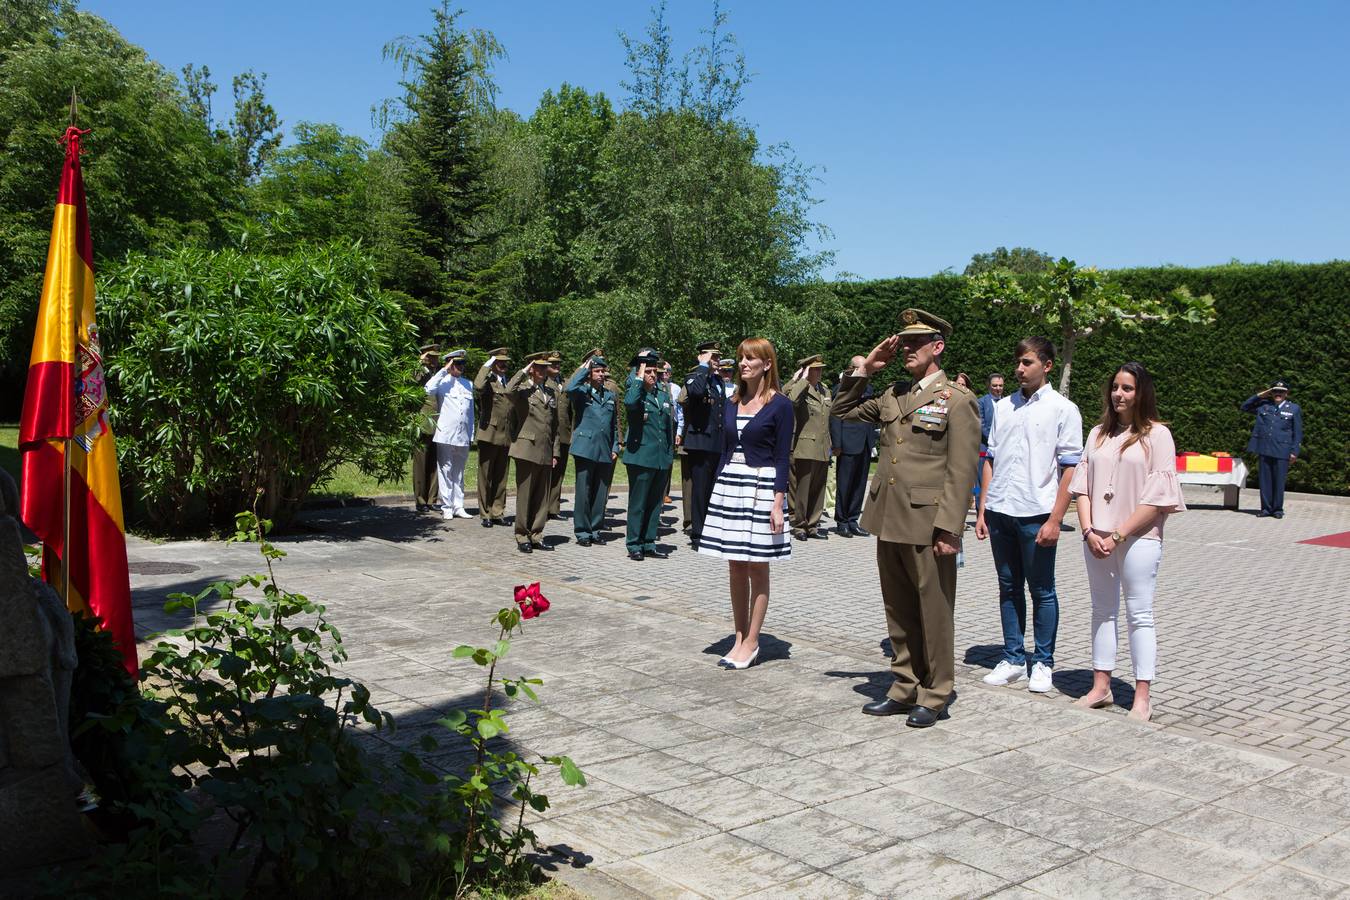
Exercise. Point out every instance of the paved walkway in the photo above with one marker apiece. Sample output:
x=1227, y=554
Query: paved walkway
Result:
x=769, y=783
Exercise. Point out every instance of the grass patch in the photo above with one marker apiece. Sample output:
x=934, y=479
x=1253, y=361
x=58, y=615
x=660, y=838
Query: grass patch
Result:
x=9, y=450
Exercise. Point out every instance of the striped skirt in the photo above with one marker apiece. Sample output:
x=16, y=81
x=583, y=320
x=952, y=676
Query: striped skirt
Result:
x=737, y=524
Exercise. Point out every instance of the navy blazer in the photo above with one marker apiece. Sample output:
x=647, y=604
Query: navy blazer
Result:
x=1278, y=430
x=853, y=438
x=704, y=402
x=766, y=440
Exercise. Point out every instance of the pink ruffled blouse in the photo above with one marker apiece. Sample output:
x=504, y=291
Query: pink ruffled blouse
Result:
x=1145, y=474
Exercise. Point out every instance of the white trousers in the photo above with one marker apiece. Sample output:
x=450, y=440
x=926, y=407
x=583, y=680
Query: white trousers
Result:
x=1131, y=571
x=450, y=463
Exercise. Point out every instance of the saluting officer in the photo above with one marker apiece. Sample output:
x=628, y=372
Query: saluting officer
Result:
x=564, y=433
x=534, y=447
x=811, y=447
x=930, y=440
x=705, y=401
x=425, y=492
x=1276, y=437
x=649, y=448
x=595, y=444
x=493, y=437
x=853, y=446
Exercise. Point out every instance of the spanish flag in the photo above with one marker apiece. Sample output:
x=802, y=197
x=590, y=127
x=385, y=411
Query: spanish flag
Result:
x=66, y=406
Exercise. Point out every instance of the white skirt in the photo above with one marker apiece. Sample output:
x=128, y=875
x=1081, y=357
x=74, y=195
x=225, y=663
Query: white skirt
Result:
x=737, y=524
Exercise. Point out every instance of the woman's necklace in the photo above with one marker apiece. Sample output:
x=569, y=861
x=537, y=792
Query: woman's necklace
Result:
x=1111, y=480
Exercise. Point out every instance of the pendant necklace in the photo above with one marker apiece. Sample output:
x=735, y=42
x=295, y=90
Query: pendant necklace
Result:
x=1111, y=482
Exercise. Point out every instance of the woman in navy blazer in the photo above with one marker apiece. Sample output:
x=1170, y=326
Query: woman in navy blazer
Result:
x=744, y=524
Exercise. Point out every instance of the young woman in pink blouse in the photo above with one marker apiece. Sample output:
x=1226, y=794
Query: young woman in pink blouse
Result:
x=1126, y=486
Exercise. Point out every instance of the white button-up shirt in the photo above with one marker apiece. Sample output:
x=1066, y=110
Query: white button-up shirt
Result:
x=454, y=423
x=1030, y=439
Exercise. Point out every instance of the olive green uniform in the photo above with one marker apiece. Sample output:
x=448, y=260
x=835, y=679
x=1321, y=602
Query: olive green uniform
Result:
x=534, y=446
x=810, y=469
x=649, y=449
x=494, y=442
x=564, y=445
x=925, y=472
x=426, y=491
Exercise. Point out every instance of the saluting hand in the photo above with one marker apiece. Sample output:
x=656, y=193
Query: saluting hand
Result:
x=881, y=354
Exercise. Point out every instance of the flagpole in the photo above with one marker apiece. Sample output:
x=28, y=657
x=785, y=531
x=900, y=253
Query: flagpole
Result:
x=69, y=443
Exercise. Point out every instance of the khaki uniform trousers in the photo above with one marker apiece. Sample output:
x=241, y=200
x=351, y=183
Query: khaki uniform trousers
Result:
x=918, y=589
x=806, y=487
x=493, y=463
x=532, y=488
x=425, y=485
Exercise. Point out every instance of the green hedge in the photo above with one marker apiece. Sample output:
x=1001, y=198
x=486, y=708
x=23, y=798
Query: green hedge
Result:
x=1275, y=320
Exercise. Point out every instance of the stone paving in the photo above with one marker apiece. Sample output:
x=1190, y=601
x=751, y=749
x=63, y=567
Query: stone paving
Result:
x=769, y=783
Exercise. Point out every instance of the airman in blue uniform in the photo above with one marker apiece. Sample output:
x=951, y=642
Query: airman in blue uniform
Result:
x=1276, y=438
x=704, y=406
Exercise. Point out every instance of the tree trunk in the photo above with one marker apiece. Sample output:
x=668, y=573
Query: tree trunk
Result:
x=1067, y=352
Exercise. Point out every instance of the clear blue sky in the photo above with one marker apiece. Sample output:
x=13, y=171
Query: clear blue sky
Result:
x=1117, y=134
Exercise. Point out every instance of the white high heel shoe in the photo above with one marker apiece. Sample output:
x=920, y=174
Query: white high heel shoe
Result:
x=732, y=664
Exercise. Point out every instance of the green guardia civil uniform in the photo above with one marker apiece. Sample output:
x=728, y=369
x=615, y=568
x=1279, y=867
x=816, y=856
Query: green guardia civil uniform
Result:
x=649, y=450
x=595, y=443
x=534, y=446
x=493, y=438
x=930, y=441
x=811, y=450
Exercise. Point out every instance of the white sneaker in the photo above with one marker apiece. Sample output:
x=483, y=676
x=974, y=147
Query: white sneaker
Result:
x=1005, y=673
x=1040, y=678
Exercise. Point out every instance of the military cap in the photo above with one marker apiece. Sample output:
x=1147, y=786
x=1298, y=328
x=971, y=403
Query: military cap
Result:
x=538, y=359
x=428, y=348
x=811, y=362
x=916, y=321
x=727, y=363
x=647, y=355
x=554, y=357
x=1279, y=384
x=454, y=354
x=708, y=345
x=500, y=353
x=598, y=362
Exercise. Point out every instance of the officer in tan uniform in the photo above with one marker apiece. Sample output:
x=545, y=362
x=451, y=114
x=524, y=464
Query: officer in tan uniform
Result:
x=534, y=447
x=493, y=436
x=425, y=491
x=810, y=470
x=916, y=506
x=564, y=434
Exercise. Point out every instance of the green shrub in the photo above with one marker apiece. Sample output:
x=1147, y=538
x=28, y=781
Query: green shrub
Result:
x=242, y=374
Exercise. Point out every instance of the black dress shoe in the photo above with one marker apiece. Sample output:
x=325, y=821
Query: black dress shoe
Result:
x=487, y=523
x=887, y=707
x=859, y=531
x=844, y=531
x=656, y=554
x=583, y=542
x=524, y=548
x=1263, y=515
x=799, y=535
x=922, y=717
x=499, y=521
x=635, y=556
x=1278, y=515
x=818, y=536
x=547, y=548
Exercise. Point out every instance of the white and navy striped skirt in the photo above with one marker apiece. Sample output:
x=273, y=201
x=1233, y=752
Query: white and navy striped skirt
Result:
x=737, y=525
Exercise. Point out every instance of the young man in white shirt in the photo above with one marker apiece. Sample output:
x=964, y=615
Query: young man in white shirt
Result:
x=1034, y=444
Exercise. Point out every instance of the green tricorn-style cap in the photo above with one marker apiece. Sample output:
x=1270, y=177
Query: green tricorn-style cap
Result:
x=814, y=361
x=648, y=356
x=598, y=362
x=917, y=321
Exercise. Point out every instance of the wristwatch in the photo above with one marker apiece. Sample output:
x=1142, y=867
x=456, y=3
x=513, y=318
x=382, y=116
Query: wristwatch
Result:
x=1118, y=537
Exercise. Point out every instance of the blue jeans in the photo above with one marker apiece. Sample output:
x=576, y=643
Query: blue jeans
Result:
x=1019, y=559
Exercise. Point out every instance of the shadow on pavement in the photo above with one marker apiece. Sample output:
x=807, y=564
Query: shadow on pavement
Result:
x=986, y=656
x=1077, y=682
x=770, y=647
x=398, y=524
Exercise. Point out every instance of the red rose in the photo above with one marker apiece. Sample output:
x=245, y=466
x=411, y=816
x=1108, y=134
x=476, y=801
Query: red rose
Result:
x=530, y=601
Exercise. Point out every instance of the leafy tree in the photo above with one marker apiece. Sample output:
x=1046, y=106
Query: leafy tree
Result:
x=151, y=167
x=254, y=128
x=316, y=190
x=438, y=148
x=1022, y=260
x=1078, y=302
x=254, y=375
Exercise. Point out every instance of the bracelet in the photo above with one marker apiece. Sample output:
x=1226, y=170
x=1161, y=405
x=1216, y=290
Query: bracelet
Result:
x=1087, y=532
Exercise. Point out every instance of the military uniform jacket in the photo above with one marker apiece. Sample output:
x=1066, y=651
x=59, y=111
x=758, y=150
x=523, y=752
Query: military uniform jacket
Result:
x=704, y=403
x=564, y=414
x=596, y=414
x=494, y=408
x=426, y=416
x=1279, y=428
x=535, y=435
x=930, y=440
x=811, y=415
x=650, y=439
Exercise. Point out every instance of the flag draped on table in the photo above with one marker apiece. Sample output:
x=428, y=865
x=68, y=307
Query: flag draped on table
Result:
x=65, y=408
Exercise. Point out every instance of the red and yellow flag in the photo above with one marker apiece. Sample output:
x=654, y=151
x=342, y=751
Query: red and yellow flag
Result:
x=67, y=399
